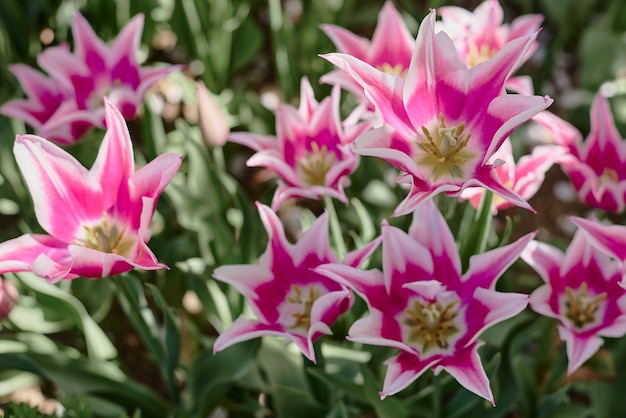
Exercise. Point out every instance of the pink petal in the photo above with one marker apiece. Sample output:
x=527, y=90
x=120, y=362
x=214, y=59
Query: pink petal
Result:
x=346, y=41
x=465, y=366
x=404, y=260
x=437, y=80
x=382, y=89
x=392, y=43
x=19, y=254
x=402, y=370
x=543, y=258
x=610, y=239
x=486, y=268
x=500, y=306
x=88, y=46
x=56, y=180
x=579, y=348
x=314, y=241
x=243, y=330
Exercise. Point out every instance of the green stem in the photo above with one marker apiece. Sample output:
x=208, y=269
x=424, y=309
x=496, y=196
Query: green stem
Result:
x=133, y=309
x=478, y=234
x=484, y=221
x=436, y=397
x=335, y=228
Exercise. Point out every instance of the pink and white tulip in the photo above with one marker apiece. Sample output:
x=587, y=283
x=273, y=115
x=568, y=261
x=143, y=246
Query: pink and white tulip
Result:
x=287, y=297
x=480, y=34
x=597, y=165
x=525, y=177
x=310, y=152
x=582, y=290
x=444, y=122
x=63, y=107
x=389, y=50
x=97, y=220
x=422, y=305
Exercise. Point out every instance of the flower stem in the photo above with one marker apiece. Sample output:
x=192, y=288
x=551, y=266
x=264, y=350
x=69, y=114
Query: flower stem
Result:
x=335, y=228
x=478, y=235
x=130, y=301
x=436, y=397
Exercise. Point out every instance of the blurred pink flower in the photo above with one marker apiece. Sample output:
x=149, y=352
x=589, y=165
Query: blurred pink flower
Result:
x=310, y=152
x=445, y=121
x=610, y=239
x=63, y=107
x=479, y=35
x=582, y=291
x=389, y=50
x=597, y=165
x=422, y=305
x=525, y=177
x=98, y=220
x=8, y=298
x=288, y=298
x=212, y=120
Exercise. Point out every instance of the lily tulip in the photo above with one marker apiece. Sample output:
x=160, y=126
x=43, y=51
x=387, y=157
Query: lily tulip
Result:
x=421, y=304
x=310, y=152
x=582, y=290
x=597, y=165
x=97, y=220
x=287, y=297
x=63, y=107
x=389, y=50
x=480, y=34
x=444, y=122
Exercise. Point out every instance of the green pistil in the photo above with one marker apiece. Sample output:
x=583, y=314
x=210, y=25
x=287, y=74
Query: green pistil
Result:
x=298, y=297
x=316, y=164
x=106, y=237
x=431, y=324
x=445, y=152
x=582, y=308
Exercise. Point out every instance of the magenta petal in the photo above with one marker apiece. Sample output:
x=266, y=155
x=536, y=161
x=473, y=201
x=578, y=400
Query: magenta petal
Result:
x=500, y=306
x=610, y=239
x=485, y=268
x=56, y=180
x=465, y=366
x=543, y=258
x=579, y=348
x=243, y=330
x=20, y=253
x=377, y=329
x=402, y=370
x=88, y=46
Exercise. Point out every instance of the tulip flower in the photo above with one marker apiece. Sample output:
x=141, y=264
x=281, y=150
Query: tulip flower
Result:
x=582, y=290
x=8, y=298
x=525, y=177
x=63, y=107
x=597, y=165
x=287, y=297
x=422, y=305
x=444, y=122
x=97, y=220
x=310, y=152
x=480, y=34
x=389, y=50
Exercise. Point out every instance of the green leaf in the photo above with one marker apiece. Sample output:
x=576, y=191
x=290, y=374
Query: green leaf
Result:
x=68, y=307
x=386, y=408
x=211, y=375
x=79, y=376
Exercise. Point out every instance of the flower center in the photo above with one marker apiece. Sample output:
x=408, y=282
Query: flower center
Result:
x=106, y=237
x=314, y=165
x=397, y=69
x=445, y=150
x=476, y=54
x=303, y=301
x=609, y=176
x=580, y=307
x=431, y=324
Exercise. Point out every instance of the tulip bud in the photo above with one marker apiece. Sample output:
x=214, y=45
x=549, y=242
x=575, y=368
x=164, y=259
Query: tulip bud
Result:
x=8, y=298
x=211, y=118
